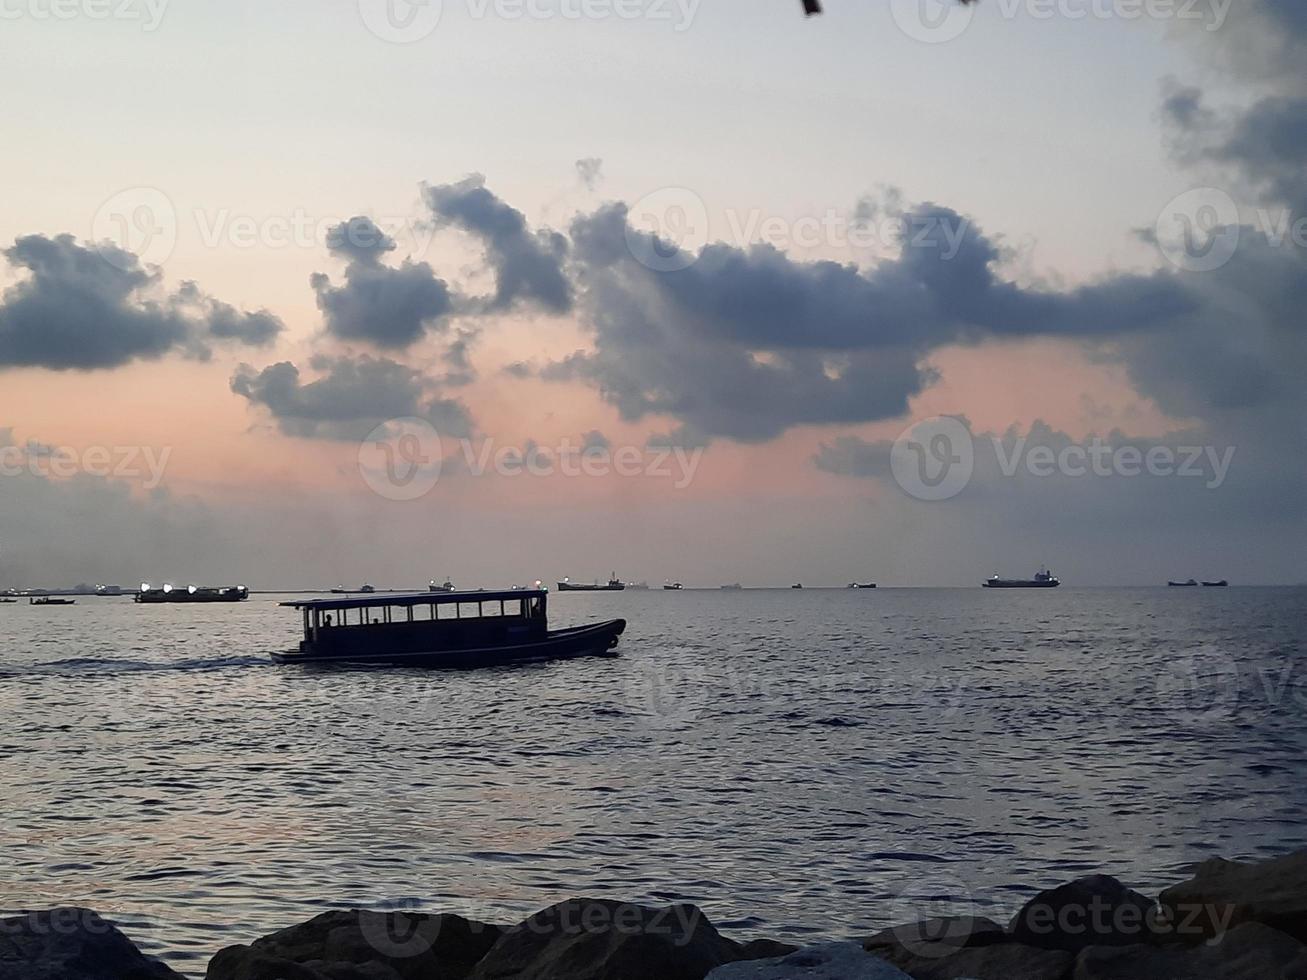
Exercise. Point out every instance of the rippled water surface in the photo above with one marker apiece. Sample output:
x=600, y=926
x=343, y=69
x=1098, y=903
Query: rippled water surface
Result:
x=815, y=762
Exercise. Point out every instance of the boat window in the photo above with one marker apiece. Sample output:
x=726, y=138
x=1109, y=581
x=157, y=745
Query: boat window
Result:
x=448, y=610
x=512, y=607
x=469, y=610
x=537, y=607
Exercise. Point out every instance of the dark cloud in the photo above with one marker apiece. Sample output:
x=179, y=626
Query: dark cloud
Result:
x=350, y=397
x=388, y=307
x=528, y=265
x=87, y=308
x=746, y=343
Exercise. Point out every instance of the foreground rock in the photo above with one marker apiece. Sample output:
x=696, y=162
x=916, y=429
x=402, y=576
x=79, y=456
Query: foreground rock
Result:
x=72, y=944
x=359, y=945
x=1093, y=911
x=592, y=939
x=966, y=946
x=832, y=961
x=1248, y=952
x=1224, y=893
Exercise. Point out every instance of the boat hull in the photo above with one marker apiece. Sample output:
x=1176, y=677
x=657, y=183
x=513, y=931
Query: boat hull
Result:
x=573, y=587
x=583, y=641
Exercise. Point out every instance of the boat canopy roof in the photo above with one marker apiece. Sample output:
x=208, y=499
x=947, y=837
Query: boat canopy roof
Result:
x=379, y=599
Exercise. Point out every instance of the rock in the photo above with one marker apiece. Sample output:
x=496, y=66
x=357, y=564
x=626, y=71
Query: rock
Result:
x=966, y=946
x=595, y=939
x=72, y=944
x=1225, y=893
x=832, y=961
x=361, y=945
x=1093, y=911
x=766, y=949
x=1247, y=952
x=938, y=937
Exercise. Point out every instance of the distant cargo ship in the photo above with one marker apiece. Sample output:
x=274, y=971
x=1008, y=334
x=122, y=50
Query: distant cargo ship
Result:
x=192, y=593
x=1044, y=579
x=1216, y=585
x=1191, y=584
x=448, y=586
x=614, y=585
x=861, y=585
x=733, y=587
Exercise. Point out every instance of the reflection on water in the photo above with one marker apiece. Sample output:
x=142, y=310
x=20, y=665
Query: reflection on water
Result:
x=795, y=762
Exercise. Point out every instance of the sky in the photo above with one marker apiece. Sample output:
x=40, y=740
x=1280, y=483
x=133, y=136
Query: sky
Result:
x=311, y=294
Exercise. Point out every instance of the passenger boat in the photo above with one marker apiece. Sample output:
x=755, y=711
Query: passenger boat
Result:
x=446, y=629
x=192, y=593
x=1044, y=579
x=614, y=585
x=49, y=601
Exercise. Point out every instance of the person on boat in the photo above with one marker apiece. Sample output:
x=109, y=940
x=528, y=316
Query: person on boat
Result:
x=327, y=621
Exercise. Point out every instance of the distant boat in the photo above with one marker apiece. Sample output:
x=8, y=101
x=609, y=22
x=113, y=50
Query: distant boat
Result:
x=448, y=586
x=192, y=593
x=797, y=585
x=7, y=601
x=733, y=587
x=1044, y=579
x=367, y=589
x=1216, y=585
x=48, y=601
x=1183, y=585
x=639, y=586
x=673, y=586
x=614, y=585
x=855, y=585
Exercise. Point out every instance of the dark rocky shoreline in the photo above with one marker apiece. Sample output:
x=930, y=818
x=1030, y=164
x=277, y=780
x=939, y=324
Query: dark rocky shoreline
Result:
x=1230, y=921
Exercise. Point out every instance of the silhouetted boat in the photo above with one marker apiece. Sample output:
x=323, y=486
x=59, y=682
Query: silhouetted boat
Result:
x=192, y=593
x=1044, y=579
x=1216, y=585
x=614, y=585
x=733, y=587
x=673, y=586
x=451, y=629
x=797, y=585
x=5, y=602
x=50, y=601
x=855, y=585
x=1192, y=583
x=446, y=586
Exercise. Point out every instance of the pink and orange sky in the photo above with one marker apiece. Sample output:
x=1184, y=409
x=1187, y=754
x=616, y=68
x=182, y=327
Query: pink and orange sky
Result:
x=747, y=250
